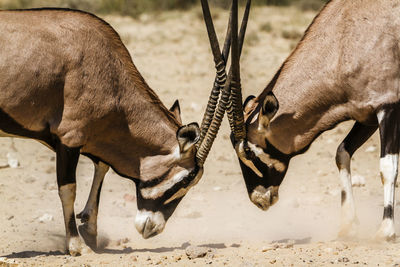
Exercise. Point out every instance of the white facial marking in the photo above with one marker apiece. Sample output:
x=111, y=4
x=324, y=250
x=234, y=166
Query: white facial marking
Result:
x=182, y=192
x=155, y=166
x=266, y=159
x=158, y=190
x=255, y=118
x=149, y=223
x=242, y=155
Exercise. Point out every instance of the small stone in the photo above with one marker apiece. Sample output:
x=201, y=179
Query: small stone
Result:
x=194, y=252
x=344, y=259
x=11, y=217
x=177, y=258
x=270, y=247
x=45, y=218
x=273, y=262
x=12, y=159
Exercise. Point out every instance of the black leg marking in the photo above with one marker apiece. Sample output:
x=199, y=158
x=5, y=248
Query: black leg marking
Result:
x=343, y=197
x=388, y=212
x=357, y=136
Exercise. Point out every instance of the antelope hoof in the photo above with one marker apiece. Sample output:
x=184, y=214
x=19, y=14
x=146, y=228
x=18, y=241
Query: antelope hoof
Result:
x=89, y=235
x=386, y=232
x=76, y=247
x=264, y=197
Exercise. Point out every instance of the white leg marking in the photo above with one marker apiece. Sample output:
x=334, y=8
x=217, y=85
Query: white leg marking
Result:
x=388, y=169
x=348, y=214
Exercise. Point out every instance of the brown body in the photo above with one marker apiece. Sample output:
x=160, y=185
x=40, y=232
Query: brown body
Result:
x=69, y=73
x=346, y=67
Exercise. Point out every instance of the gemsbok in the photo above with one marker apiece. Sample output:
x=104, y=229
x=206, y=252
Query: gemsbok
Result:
x=213, y=117
x=68, y=81
x=346, y=67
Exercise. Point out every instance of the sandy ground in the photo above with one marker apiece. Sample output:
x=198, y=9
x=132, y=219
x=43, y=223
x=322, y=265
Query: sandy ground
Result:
x=172, y=52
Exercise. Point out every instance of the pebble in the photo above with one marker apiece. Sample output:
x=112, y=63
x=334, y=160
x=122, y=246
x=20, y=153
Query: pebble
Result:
x=177, y=258
x=275, y=246
x=194, y=252
x=46, y=218
x=344, y=259
x=12, y=160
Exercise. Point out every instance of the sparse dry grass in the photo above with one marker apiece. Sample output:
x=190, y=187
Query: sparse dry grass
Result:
x=136, y=7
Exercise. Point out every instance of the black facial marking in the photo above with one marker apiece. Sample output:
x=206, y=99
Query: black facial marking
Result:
x=271, y=176
x=388, y=212
x=343, y=195
x=158, y=203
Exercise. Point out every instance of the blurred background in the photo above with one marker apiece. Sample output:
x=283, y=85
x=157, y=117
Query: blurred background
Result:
x=136, y=7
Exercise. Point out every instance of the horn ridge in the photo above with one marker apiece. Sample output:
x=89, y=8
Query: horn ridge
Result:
x=235, y=110
x=220, y=63
x=228, y=100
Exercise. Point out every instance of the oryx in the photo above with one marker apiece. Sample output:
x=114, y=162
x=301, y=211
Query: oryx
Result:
x=212, y=117
x=67, y=80
x=346, y=67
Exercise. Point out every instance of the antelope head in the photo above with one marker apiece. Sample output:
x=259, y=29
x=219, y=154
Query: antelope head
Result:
x=263, y=167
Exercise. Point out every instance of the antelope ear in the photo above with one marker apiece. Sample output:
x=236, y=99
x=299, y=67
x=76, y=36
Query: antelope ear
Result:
x=248, y=103
x=268, y=110
x=188, y=136
x=176, y=110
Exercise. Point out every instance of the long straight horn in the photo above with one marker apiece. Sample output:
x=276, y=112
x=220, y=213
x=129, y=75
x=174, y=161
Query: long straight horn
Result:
x=205, y=146
x=220, y=63
x=236, y=107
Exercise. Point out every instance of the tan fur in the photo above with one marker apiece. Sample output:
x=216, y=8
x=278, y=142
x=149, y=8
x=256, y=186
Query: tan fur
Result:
x=69, y=71
x=346, y=67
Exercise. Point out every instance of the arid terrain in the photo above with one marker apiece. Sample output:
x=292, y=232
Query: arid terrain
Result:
x=172, y=52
